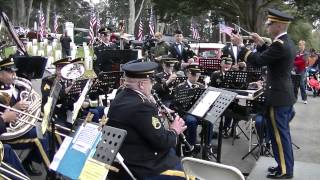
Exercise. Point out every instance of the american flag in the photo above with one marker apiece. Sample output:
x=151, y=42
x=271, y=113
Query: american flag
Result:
x=93, y=22
x=98, y=24
x=151, y=23
x=225, y=29
x=195, y=32
x=42, y=24
x=55, y=24
x=140, y=30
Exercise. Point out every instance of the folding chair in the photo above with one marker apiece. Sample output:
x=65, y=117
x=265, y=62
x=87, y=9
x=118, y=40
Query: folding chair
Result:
x=207, y=170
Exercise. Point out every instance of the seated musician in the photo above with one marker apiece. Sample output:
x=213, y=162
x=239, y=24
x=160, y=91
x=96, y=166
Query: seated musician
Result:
x=217, y=79
x=39, y=147
x=148, y=149
x=7, y=155
x=164, y=80
x=193, y=74
x=63, y=102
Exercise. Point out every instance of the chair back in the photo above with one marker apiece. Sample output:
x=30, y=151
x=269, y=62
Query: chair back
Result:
x=207, y=170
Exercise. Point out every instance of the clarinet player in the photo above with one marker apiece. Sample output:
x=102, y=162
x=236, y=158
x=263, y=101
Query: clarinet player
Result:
x=148, y=149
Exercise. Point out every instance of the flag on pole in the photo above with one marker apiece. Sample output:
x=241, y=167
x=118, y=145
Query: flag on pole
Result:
x=93, y=22
x=55, y=24
x=98, y=23
x=195, y=32
x=140, y=30
x=151, y=22
x=225, y=29
x=42, y=25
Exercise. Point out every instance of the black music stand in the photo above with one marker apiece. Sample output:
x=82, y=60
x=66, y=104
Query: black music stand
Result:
x=111, y=59
x=214, y=110
x=109, y=145
x=235, y=80
x=179, y=80
x=258, y=105
x=208, y=66
x=30, y=67
x=106, y=82
x=185, y=98
x=76, y=89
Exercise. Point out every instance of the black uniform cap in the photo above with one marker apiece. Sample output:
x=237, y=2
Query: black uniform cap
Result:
x=226, y=59
x=278, y=16
x=62, y=62
x=77, y=60
x=177, y=31
x=194, y=68
x=8, y=65
x=140, y=69
x=104, y=31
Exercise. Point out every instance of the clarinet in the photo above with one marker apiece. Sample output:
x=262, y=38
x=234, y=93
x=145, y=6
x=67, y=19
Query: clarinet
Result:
x=171, y=119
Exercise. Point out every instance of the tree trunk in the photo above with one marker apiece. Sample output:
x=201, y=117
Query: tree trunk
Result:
x=21, y=11
x=29, y=12
x=48, y=13
x=132, y=12
x=14, y=13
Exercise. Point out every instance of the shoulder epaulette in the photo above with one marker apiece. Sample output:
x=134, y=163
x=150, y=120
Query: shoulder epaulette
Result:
x=279, y=40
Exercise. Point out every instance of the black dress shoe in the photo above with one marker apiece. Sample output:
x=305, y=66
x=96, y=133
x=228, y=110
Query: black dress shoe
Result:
x=272, y=169
x=277, y=175
x=31, y=170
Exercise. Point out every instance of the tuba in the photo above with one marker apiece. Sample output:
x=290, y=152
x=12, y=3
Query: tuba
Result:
x=27, y=120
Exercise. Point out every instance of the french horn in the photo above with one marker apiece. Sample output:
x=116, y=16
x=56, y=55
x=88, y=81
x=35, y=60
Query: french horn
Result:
x=30, y=116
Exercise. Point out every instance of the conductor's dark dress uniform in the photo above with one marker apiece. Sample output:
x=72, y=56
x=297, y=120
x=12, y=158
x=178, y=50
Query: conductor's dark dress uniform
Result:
x=278, y=58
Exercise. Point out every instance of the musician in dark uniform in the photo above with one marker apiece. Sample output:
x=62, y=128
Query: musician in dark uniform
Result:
x=165, y=80
x=64, y=103
x=39, y=147
x=7, y=155
x=103, y=44
x=278, y=58
x=217, y=80
x=193, y=74
x=181, y=51
x=217, y=77
x=148, y=149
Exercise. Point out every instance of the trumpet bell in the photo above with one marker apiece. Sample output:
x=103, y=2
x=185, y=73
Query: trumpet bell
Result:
x=72, y=71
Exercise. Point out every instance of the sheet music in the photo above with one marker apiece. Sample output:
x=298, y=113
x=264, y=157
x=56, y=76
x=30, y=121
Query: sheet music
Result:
x=205, y=103
x=85, y=137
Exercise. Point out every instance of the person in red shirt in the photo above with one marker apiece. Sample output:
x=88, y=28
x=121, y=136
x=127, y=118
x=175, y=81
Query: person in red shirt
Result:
x=300, y=68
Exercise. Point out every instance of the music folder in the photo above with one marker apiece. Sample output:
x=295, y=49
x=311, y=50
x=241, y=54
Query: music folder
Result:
x=74, y=152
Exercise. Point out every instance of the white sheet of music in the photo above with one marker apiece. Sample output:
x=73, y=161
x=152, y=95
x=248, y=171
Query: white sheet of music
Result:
x=205, y=103
x=85, y=137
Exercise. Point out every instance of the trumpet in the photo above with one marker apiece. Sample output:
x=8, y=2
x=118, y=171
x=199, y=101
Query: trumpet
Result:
x=182, y=137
